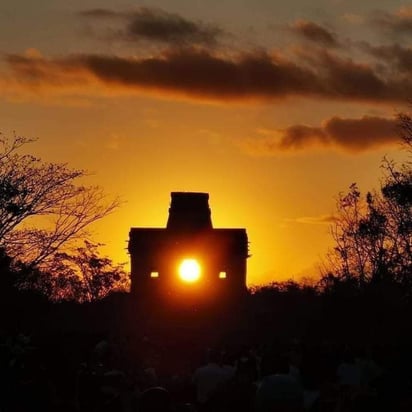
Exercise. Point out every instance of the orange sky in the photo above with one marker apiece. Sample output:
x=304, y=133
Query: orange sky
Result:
x=273, y=110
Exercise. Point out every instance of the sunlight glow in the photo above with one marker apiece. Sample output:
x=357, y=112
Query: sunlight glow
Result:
x=189, y=270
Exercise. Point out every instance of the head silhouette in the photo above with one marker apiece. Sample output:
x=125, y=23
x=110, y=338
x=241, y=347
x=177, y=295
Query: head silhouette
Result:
x=155, y=399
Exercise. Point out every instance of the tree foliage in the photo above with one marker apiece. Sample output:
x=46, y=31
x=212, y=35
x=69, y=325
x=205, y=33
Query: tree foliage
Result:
x=373, y=232
x=82, y=275
x=43, y=206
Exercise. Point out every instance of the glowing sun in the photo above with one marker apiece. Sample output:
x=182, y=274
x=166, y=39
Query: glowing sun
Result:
x=189, y=270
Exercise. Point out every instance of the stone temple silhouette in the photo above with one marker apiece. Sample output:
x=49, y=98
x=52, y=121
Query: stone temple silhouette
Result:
x=156, y=253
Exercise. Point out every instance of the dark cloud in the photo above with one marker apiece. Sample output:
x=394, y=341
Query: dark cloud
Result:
x=361, y=134
x=399, y=22
x=201, y=74
x=187, y=72
x=356, y=81
x=38, y=72
x=157, y=25
x=395, y=55
x=299, y=137
x=194, y=69
x=352, y=135
x=315, y=33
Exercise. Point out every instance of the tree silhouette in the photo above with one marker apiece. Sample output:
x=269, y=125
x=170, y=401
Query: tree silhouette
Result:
x=43, y=206
x=82, y=275
x=373, y=233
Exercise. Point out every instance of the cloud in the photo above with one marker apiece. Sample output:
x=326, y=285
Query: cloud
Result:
x=362, y=134
x=395, y=55
x=203, y=75
x=189, y=72
x=313, y=220
x=101, y=14
x=353, y=18
x=350, y=135
x=35, y=71
x=157, y=25
x=315, y=33
x=300, y=137
x=200, y=73
x=399, y=22
x=358, y=81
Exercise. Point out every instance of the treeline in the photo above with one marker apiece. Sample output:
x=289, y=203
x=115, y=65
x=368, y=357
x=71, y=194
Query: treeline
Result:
x=364, y=292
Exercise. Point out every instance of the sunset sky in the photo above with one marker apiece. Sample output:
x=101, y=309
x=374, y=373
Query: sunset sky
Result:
x=273, y=108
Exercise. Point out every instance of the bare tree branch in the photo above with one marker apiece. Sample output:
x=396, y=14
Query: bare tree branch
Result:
x=31, y=188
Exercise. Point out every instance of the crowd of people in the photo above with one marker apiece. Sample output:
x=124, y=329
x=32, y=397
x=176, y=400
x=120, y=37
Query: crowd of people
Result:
x=138, y=374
